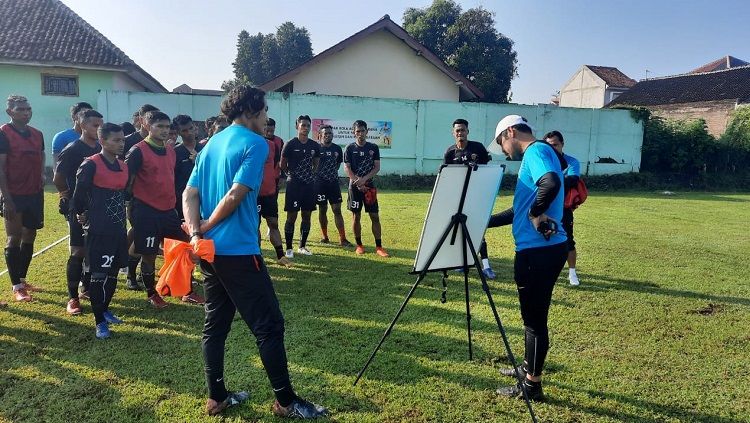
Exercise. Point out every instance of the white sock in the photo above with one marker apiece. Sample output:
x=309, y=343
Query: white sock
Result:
x=485, y=263
x=572, y=272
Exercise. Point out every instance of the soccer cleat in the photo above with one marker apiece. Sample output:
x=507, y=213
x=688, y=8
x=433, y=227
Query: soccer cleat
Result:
x=111, y=318
x=533, y=390
x=20, y=294
x=283, y=261
x=381, y=252
x=289, y=253
x=132, y=284
x=325, y=241
x=157, y=301
x=346, y=243
x=102, y=330
x=360, y=249
x=299, y=409
x=513, y=371
x=193, y=298
x=488, y=273
x=304, y=251
x=84, y=295
x=74, y=307
x=214, y=407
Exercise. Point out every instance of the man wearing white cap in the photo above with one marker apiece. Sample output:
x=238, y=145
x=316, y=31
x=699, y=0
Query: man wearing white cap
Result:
x=541, y=247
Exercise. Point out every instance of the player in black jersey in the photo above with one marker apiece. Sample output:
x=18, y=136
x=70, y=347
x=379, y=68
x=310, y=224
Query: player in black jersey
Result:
x=327, y=185
x=99, y=205
x=186, y=152
x=299, y=159
x=465, y=151
x=65, y=181
x=362, y=163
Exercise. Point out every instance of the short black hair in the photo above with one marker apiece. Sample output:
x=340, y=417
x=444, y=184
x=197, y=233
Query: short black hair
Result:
x=241, y=99
x=14, y=99
x=91, y=113
x=220, y=119
x=300, y=118
x=182, y=120
x=326, y=126
x=155, y=116
x=359, y=123
x=270, y=122
x=147, y=108
x=461, y=122
x=174, y=127
x=74, y=109
x=210, y=121
x=557, y=134
x=109, y=128
x=127, y=128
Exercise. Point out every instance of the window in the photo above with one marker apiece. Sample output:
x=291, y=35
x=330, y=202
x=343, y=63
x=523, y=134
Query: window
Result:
x=66, y=85
x=614, y=94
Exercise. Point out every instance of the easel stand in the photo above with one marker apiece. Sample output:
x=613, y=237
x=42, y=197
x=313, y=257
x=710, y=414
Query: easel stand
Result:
x=458, y=222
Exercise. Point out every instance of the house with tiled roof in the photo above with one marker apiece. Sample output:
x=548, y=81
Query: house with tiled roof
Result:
x=711, y=96
x=53, y=57
x=381, y=61
x=726, y=62
x=594, y=86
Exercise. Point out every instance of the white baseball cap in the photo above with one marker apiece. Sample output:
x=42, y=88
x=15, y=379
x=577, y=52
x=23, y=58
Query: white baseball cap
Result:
x=505, y=123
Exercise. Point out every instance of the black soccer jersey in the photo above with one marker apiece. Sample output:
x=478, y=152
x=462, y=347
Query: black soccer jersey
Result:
x=361, y=160
x=300, y=157
x=331, y=158
x=97, y=194
x=71, y=158
x=183, y=168
x=473, y=153
x=130, y=141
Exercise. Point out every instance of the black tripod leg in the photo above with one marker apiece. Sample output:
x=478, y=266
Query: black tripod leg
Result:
x=390, y=327
x=468, y=307
x=486, y=289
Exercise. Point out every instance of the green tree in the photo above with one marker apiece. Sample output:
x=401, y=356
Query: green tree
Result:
x=295, y=44
x=468, y=42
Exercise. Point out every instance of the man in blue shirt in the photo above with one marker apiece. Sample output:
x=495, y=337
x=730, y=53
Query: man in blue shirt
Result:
x=220, y=203
x=541, y=246
x=63, y=138
x=572, y=175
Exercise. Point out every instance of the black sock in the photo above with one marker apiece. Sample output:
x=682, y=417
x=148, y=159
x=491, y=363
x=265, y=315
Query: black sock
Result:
x=378, y=242
x=132, y=266
x=358, y=239
x=148, y=282
x=483, y=249
x=27, y=250
x=279, y=251
x=288, y=234
x=86, y=281
x=109, y=290
x=74, y=271
x=12, y=258
x=305, y=229
x=285, y=395
x=98, y=297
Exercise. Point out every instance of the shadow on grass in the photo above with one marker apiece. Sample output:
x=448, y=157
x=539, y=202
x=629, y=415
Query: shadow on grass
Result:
x=678, y=195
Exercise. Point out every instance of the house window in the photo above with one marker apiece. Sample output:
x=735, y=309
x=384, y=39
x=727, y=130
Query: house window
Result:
x=614, y=94
x=66, y=85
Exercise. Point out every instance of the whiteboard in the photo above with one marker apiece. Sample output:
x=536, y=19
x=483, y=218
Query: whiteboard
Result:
x=484, y=185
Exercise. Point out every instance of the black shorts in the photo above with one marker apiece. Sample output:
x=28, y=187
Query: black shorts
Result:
x=151, y=226
x=328, y=191
x=358, y=199
x=299, y=196
x=31, y=208
x=106, y=253
x=76, y=231
x=567, y=224
x=268, y=206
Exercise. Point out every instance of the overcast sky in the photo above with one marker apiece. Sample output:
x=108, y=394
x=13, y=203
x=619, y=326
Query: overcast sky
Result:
x=194, y=42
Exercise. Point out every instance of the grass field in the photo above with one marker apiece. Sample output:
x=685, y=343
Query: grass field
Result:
x=657, y=332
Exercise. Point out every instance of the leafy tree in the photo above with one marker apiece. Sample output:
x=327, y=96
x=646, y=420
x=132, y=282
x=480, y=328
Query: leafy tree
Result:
x=295, y=44
x=468, y=42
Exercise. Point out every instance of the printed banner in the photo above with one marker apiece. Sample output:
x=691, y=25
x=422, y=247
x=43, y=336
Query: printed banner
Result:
x=379, y=131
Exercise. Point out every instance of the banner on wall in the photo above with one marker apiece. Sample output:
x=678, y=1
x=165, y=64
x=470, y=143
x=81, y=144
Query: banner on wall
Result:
x=379, y=131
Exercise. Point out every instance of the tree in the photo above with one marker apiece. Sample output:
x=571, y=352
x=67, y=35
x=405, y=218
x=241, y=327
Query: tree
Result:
x=468, y=42
x=294, y=45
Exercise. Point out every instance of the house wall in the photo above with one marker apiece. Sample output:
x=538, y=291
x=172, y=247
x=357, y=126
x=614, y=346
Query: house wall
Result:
x=585, y=89
x=381, y=66
x=715, y=113
x=421, y=130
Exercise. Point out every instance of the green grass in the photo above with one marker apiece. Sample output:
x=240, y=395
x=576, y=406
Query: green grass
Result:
x=657, y=332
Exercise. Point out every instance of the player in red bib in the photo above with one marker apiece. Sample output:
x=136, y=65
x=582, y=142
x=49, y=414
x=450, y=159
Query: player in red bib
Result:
x=268, y=196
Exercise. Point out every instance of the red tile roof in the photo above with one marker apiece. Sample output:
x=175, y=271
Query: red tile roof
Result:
x=726, y=62
x=612, y=76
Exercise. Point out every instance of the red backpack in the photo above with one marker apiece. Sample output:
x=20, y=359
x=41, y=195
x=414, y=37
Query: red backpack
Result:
x=576, y=195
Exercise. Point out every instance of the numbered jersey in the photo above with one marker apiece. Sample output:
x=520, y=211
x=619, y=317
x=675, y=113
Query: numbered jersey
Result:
x=99, y=192
x=331, y=158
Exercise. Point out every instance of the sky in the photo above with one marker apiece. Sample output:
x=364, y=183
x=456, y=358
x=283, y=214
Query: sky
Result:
x=194, y=42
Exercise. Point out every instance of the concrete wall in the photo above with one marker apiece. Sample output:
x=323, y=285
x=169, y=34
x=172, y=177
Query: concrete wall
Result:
x=715, y=113
x=52, y=113
x=422, y=129
x=366, y=69
x=584, y=89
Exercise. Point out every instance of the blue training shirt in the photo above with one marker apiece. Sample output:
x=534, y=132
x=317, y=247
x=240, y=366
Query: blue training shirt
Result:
x=538, y=159
x=574, y=166
x=63, y=138
x=234, y=155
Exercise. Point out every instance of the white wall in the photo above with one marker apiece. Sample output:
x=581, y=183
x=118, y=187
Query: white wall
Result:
x=122, y=82
x=381, y=66
x=585, y=89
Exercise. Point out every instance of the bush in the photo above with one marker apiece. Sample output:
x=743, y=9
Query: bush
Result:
x=682, y=146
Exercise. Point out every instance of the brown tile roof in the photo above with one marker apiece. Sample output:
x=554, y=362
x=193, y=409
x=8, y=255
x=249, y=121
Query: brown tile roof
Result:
x=726, y=62
x=49, y=33
x=729, y=84
x=612, y=76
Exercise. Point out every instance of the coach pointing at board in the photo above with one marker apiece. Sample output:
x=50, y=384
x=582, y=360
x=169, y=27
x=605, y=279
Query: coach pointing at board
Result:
x=541, y=247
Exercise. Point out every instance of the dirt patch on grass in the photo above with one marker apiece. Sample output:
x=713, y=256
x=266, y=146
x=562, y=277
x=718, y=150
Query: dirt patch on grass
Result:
x=709, y=310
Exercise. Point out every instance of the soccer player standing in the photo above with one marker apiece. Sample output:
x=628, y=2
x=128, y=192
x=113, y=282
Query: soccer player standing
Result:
x=63, y=138
x=22, y=188
x=185, y=152
x=268, y=195
x=98, y=203
x=299, y=159
x=327, y=185
x=362, y=163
